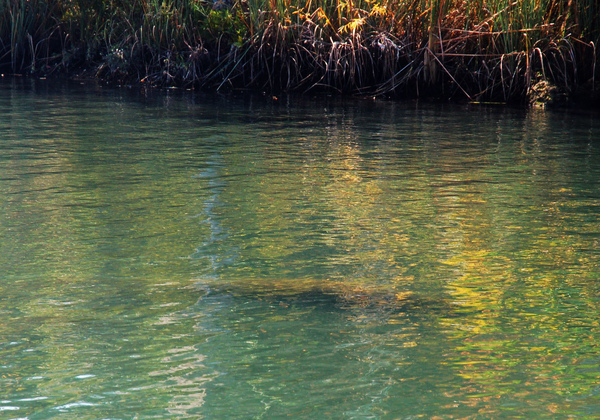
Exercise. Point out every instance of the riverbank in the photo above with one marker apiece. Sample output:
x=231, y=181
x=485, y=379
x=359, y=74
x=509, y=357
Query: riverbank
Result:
x=537, y=51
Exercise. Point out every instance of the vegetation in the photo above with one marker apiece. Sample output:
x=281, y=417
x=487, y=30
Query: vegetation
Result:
x=495, y=50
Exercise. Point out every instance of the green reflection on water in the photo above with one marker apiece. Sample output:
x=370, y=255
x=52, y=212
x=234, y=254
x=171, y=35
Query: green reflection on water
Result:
x=170, y=256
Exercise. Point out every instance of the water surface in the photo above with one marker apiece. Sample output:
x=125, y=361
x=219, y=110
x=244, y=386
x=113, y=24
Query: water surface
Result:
x=175, y=255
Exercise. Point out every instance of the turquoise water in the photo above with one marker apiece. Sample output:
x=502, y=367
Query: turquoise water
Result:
x=175, y=255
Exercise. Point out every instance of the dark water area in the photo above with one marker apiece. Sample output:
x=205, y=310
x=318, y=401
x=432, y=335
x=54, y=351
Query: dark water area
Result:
x=170, y=254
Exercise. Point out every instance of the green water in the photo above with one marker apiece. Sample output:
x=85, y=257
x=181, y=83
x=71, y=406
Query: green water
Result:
x=171, y=255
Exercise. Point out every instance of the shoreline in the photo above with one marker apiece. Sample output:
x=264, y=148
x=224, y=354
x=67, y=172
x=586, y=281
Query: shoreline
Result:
x=539, y=53
x=587, y=100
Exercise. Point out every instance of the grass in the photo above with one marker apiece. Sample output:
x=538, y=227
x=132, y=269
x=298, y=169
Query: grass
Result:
x=466, y=49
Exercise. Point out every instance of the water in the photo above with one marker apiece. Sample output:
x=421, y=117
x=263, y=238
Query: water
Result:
x=169, y=255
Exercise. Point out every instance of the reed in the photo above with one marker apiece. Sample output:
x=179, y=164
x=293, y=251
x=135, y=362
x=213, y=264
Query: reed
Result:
x=26, y=33
x=492, y=50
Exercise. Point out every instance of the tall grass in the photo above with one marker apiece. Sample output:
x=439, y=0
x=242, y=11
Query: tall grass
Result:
x=474, y=49
x=26, y=31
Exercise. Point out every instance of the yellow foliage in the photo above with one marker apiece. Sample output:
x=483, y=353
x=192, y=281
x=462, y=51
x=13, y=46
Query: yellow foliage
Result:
x=352, y=26
x=378, y=10
x=320, y=14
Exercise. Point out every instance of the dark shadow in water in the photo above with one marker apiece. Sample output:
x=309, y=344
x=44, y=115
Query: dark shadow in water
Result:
x=351, y=301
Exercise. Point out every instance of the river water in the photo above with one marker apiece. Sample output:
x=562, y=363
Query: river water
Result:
x=168, y=255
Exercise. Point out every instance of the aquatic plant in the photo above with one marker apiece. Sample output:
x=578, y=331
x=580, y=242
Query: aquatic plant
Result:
x=493, y=50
